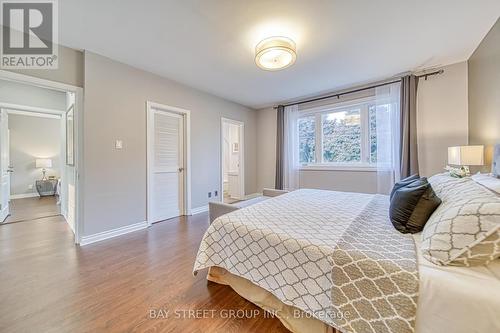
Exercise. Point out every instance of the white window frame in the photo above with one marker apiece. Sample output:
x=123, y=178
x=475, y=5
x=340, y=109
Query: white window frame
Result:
x=318, y=112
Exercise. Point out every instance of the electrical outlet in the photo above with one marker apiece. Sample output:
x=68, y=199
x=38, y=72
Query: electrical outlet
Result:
x=216, y=193
x=30, y=186
x=118, y=144
x=209, y=194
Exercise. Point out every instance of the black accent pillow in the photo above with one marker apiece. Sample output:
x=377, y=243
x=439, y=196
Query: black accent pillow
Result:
x=403, y=182
x=412, y=205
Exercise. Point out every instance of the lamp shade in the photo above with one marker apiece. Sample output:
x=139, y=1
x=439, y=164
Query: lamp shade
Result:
x=466, y=155
x=275, y=53
x=43, y=163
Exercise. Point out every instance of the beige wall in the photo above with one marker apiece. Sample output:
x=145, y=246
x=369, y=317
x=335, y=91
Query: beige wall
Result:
x=484, y=93
x=442, y=117
x=115, y=108
x=70, y=70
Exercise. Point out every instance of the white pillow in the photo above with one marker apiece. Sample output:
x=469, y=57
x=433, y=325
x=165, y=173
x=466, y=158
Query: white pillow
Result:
x=465, y=229
x=488, y=181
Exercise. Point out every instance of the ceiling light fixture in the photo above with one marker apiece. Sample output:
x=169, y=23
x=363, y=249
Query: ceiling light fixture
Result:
x=275, y=53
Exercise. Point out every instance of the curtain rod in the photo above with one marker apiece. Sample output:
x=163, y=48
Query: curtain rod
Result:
x=358, y=90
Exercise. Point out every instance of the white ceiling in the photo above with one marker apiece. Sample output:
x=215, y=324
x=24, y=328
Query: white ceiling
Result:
x=209, y=44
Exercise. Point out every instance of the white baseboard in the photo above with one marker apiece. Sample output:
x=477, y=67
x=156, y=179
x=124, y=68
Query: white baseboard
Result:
x=199, y=210
x=24, y=195
x=85, y=240
x=252, y=195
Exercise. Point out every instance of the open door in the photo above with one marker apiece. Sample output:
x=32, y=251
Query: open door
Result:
x=232, y=161
x=5, y=168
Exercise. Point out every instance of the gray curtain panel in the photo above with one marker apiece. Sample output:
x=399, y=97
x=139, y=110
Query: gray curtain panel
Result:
x=280, y=136
x=409, y=151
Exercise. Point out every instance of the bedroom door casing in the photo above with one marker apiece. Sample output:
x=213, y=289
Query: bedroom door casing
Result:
x=5, y=168
x=239, y=190
x=167, y=163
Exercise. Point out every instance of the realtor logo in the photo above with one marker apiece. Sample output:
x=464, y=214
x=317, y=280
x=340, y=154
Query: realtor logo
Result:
x=29, y=34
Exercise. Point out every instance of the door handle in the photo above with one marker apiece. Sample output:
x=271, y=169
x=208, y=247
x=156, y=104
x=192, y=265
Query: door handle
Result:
x=181, y=169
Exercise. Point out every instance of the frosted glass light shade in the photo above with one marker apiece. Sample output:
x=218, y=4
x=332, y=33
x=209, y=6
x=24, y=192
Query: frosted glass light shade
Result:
x=43, y=163
x=466, y=155
x=275, y=53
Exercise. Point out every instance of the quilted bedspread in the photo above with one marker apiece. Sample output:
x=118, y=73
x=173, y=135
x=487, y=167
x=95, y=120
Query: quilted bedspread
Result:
x=334, y=255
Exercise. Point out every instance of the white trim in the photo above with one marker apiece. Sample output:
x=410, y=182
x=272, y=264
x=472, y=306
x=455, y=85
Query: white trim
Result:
x=78, y=133
x=241, y=170
x=187, y=155
x=23, y=195
x=199, y=210
x=113, y=233
x=32, y=109
x=336, y=107
x=338, y=167
x=31, y=113
x=34, y=81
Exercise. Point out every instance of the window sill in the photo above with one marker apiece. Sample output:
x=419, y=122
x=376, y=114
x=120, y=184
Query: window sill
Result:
x=339, y=167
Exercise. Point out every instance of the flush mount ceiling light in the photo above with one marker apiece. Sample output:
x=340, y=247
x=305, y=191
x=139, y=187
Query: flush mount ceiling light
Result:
x=275, y=53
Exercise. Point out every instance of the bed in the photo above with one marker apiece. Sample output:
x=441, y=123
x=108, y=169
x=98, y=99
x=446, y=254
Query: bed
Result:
x=325, y=261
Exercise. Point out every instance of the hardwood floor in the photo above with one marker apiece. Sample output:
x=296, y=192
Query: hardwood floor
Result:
x=32, y=208
x=47, y=284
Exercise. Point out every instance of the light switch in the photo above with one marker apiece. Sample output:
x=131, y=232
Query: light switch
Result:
x=118, y=144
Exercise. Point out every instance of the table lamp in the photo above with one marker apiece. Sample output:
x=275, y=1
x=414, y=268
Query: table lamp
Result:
x=461, y=157
x=43, y=163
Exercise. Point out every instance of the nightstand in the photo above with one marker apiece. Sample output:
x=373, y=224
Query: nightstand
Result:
x=46, y=187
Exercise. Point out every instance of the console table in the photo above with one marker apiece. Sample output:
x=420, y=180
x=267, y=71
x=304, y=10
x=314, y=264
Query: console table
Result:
x=46, y=187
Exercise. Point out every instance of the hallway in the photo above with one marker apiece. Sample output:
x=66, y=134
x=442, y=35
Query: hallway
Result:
x=33, y=208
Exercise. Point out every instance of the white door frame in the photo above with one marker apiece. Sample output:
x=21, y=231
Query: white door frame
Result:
x=241, y=169
x=186, y=114
x=4, y=168
x=78, y=134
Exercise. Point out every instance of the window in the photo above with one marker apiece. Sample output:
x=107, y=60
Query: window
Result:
x=340, y=136
x=307, y=139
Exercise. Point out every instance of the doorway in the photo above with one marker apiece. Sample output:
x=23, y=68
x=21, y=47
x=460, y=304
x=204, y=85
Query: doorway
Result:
x=32, y=169
x=232, y=161
x=168, y=162
x=39, y=149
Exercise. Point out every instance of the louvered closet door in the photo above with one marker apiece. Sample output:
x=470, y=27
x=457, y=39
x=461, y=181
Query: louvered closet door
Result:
x=167, y=168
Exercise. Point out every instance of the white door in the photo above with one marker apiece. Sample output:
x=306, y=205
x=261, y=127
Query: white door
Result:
x=165, y=165
x=5, y=168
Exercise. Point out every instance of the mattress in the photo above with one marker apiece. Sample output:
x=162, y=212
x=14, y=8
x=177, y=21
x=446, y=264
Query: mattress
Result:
x=249, y=243
x=452, y=299
x=457, y=299
x=296, y=244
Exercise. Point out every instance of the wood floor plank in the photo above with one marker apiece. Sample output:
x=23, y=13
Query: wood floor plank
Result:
x=50, y=285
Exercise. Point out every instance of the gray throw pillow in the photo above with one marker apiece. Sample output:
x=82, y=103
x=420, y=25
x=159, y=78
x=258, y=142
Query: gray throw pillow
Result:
x=403, y=183
x=412, y=205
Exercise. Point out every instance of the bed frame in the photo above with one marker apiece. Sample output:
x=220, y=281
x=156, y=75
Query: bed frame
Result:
x=217, y=209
